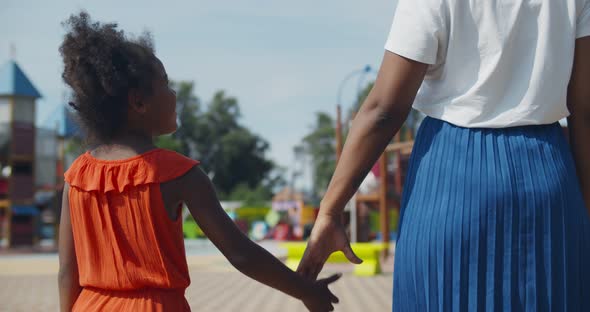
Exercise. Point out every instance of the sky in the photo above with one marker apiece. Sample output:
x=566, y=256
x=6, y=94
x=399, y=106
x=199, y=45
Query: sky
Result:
x=283, y=60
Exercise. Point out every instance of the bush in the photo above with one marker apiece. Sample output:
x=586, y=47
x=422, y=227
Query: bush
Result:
x=252, y=214
x=191, y=229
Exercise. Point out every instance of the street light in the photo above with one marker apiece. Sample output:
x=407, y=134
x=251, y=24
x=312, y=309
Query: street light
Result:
x=362, y=72
x=352, y=204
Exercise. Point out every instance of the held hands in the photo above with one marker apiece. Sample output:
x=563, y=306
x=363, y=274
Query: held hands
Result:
x=319, y=298
x=327, y=236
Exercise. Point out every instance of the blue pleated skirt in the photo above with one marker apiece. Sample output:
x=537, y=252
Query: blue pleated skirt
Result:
x=492, y=220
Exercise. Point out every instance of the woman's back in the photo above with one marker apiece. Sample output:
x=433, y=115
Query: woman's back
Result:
x=493, y=63
x=493, y=216
x=124, y=238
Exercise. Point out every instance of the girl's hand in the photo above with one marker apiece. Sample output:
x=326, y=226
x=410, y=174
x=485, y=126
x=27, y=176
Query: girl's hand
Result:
x=319, y=297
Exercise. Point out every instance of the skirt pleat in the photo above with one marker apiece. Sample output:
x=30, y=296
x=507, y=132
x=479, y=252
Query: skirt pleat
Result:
x=492, y=220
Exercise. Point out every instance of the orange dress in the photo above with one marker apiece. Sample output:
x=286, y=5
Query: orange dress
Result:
x=130, y=254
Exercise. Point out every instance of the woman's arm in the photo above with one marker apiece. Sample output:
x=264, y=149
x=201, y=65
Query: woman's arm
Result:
x=69, y=285
x=578, y=100
x=380, y=117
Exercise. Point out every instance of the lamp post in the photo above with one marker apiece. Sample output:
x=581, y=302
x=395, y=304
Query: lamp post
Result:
x=352, y=204
x=362, y=72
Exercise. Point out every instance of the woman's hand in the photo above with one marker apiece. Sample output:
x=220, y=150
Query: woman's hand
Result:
x=328, y=236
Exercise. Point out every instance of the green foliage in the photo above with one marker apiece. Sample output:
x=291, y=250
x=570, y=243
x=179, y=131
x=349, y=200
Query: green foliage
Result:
x=191, y=229
x=252, y=213
x=258, y=196
x=188, y=108
x=319, y=144
x=229, y=152
x=169, y=142
x=74, y=146
x=375, y=219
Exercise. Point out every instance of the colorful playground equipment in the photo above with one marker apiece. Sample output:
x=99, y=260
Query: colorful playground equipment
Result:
x=295, y=212
x=17, y=156
x=369, y=252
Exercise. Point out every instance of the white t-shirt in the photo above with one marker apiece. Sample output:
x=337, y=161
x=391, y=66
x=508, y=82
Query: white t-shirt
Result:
x=493, y=63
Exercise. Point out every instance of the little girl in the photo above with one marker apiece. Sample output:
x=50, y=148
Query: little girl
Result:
x=120, y=242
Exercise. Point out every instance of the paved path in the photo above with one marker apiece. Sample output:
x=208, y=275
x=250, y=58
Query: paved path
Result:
x=28, y=283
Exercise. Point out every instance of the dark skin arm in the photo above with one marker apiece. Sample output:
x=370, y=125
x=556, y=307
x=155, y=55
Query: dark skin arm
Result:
x=578, y=100
x=379, y=119
x=245, y=255
x=68, y=278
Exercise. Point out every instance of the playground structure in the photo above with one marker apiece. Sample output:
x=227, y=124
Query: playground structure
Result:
x=28, y=162
x=297, y=213
x=369, y=252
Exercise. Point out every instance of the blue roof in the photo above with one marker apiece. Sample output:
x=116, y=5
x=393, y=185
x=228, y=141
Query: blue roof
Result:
x=13, y=81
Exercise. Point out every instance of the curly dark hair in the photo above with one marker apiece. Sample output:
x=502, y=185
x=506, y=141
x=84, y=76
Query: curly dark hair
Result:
x=101, y=65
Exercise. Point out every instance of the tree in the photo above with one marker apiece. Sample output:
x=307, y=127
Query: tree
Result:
x=169, y=142
x=229, y=152
x=319, y=144
x=188, y=108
